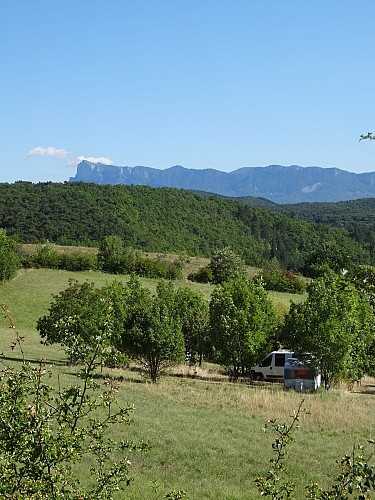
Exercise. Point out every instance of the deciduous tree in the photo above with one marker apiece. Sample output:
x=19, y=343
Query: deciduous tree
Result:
x=334, y=325
x=77, y=317
x=151, y=332
x=241, y=320
x=226, y=264
x=193, y=311
x=9, y=260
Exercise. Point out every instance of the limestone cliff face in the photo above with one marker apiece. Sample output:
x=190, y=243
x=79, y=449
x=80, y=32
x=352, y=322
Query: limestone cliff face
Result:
x=277, y=183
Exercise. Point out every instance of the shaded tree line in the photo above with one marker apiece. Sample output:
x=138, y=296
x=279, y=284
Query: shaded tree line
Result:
x=113, y=257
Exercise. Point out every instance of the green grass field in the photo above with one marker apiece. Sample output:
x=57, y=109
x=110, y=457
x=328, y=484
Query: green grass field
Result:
x=206, y=432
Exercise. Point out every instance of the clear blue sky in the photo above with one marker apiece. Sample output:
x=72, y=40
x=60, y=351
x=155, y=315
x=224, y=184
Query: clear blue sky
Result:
x=201, y=83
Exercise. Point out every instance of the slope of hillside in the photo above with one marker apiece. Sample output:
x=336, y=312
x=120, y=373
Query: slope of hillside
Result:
x=356, y=216
x=162, y=220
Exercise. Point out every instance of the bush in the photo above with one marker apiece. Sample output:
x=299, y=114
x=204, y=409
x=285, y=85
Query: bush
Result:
x=117, y=258
x=78, y=261
x=114, y=257
x=46, y=256
x=226, y=264
x=203, y=275
x=283, y=281
x=150, y=268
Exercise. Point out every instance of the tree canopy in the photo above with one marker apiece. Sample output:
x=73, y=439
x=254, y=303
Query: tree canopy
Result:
x=77, y=317
x=151, y=332
x=241, y=321
x=334, y=325
x=225, y=264
x=9, y=259
x=128, y=320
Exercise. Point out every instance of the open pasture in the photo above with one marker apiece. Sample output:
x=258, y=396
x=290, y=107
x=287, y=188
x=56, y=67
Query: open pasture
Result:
x=206, y=432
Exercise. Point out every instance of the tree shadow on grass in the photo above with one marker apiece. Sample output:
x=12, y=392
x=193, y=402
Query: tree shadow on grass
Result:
x=57, y=362
x=106, y=375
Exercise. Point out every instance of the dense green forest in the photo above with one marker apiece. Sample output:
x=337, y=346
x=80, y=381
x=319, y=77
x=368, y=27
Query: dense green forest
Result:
x=165, y=220
x=357, y=216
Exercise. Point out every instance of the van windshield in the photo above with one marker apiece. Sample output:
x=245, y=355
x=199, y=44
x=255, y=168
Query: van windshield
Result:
x=266, y=362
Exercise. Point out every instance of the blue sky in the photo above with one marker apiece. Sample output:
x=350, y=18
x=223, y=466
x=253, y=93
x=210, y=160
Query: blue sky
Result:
x=201, y=83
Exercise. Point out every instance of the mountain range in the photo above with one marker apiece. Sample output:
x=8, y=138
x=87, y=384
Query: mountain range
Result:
x=277, y=183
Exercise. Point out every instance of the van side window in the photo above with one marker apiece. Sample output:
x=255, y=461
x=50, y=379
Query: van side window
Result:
x=279, y=359
x=266, y=362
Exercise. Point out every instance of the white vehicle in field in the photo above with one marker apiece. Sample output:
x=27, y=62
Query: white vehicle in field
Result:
x=272, y=367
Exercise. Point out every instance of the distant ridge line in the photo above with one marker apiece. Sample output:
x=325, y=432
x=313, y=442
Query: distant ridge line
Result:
x=277, y=183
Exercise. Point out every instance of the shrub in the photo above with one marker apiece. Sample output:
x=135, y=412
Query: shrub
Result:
x=78, y=261
x=226, y=264
x=150, y=268
x=203, y=275
x=47, y=256
x=282, y=281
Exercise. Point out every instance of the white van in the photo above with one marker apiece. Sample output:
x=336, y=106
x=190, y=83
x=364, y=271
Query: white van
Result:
x=272, y=367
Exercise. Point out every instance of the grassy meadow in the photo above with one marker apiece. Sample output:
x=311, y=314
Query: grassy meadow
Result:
x=206, y=432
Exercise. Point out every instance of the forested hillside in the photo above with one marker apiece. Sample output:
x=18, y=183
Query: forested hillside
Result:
x=163, y=220
x=357, y=216
x=343, y=213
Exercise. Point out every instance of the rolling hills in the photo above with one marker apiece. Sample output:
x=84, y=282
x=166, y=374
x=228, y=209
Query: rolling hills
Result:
x=165, y=220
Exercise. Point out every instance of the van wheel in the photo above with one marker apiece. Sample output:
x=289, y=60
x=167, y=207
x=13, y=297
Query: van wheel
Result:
x=259, y=377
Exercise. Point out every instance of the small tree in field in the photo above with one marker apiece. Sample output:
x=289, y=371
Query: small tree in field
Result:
x=77, y=317
x=226, y=264
x=241, y=320
x=335, y=325
x=151, y=333
x=193, y=312
x=9, y=260
x=114, y=257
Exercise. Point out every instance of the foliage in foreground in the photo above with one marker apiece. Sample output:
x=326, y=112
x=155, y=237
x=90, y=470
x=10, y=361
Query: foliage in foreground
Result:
x=355, y=481
x=45, y=433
